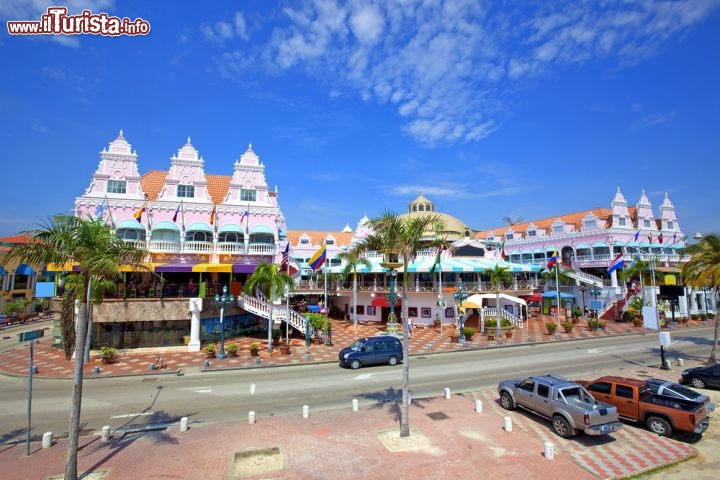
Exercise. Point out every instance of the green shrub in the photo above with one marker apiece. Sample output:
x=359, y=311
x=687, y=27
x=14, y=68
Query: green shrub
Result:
x=468, y=331
x=232, y=348
x=491, y=323
x=318, y=321
x=209, y=348
x=551, y=327
x=107, y=352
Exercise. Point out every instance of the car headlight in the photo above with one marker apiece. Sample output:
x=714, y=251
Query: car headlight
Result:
x=685, y=373
x=345, y=357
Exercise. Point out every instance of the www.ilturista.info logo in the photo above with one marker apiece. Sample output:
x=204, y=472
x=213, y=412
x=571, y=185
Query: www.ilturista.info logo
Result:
x=57, y=22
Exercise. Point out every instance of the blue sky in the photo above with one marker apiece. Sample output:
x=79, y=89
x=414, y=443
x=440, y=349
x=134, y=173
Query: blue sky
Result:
x=492, y=109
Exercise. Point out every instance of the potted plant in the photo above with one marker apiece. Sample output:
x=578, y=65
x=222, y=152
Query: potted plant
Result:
x=210, y=350
x=232, y=349
x=551, y=327
x=509, y=332
x=468, y=332
x=107, y=354
x=254, y=349
x=576, y=314
x=276, y=334
x=319, y=323
x=285, y=348
x=568, y=326
x=602, y=324
x=592, y=324
x=436, y=322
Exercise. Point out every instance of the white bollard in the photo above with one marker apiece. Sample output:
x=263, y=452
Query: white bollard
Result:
x=251, y=417
x=507, y=424
x=681, y=362
x=447, y=394
x=184, y=424
x=355, y=404
x=478, y=406
x=549, y=451
x=306, y=411
x=47, y=440
x=105, y=433
x=409, y=397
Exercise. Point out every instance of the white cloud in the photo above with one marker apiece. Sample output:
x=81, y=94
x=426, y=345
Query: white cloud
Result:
x=449, y=66
x=652, y=120
x=222, y=31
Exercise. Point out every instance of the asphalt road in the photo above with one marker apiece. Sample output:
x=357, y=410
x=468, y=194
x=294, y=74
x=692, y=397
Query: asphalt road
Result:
x=230, y=395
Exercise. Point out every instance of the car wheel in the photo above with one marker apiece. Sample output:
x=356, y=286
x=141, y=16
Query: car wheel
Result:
x=660, y=426
x=561, y=427
x=393, y=361
x=355, y=364
x=506, y=401
x=697, y=382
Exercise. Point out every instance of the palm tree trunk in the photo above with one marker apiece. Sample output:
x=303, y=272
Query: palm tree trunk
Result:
x=355, y=301
x=405, y=407
x=716, y=337
x=270, y=325
x=80, y=338
x=497, y=316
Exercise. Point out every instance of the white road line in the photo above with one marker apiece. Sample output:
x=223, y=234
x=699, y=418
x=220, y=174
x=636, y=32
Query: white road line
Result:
x=128, y=415
x=190, y=381
x=198, y=389
x=365, y=376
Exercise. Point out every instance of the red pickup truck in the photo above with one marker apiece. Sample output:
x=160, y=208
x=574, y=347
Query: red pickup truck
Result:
x=635, y=402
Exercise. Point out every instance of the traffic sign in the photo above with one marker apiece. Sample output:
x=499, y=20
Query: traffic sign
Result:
x=30, y=335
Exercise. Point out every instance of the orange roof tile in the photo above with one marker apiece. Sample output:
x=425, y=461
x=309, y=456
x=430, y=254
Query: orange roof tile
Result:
x=318, y=237
x=153, y=181
x=218, y=186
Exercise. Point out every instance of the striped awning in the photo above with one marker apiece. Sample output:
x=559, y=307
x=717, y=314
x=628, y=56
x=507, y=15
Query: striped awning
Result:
x=213, y=267
x=425, y=265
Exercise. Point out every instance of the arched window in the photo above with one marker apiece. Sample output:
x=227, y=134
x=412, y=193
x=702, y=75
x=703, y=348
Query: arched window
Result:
x=198, y=236
x=422, y=208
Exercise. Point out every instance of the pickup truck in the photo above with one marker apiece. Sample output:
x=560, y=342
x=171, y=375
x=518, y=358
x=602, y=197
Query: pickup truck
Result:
x=568, y=405
x=661, y=414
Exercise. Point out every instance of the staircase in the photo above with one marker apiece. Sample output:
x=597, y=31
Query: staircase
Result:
x=613, y=308
x=281, y=313
x=583, y=277
x=492, y=312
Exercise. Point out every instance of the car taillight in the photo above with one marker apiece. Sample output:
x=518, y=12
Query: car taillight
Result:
x=692, y=418
x=586, y=419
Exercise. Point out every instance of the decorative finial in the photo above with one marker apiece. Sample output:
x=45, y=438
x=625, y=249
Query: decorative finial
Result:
x=188, y=141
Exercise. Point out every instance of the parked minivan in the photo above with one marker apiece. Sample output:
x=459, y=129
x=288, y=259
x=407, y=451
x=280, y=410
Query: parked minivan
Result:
x=371, y=351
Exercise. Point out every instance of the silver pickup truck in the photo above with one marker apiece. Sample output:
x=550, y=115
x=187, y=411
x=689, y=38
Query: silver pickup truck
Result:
x=569, y=406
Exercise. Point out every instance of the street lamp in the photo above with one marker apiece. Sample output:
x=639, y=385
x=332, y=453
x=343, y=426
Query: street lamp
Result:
x=595, y=291
x=390, y=261
x=583, y=289
x=461, y=295
x=221, y=301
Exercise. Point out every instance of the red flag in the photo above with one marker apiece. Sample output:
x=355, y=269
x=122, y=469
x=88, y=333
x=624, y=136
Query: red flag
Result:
x=660, y=238
x=650, y=237
x=212, y=215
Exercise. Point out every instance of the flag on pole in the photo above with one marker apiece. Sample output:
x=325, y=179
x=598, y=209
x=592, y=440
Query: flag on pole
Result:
x=437, y=259
x=244, y=214
x=100, y=210
x=674, y=239
x=318, y=258
x=637, y=235
x=616, y=263
x=138, y=214
x=212, y=215
x=177, y=210
x=650, y=237
x=502, y=250
x=553, y=260
x=285, y=258
x=660, y=238
x=634, y=261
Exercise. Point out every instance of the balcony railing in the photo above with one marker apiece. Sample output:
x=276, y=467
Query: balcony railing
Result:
x=167, y=246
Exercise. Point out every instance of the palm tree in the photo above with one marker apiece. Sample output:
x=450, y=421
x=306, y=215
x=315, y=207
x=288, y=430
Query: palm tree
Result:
x=498, y=276
x=99, y=254
x=271, y=283
x=638, y=268
x=352, y=259
x=401, y=237
x=703, y=269
x=512, y=220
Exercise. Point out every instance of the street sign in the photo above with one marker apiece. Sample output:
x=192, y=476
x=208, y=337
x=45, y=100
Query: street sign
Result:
x=31, y=335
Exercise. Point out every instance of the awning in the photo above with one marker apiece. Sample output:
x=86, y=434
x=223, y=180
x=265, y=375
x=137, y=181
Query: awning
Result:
x=535, y=297
x=166, y=226
x=315, y=308
x=383, y=302
x=230, y=227
x=174, y=267
x=24, y=269
x=2, y=271
x=262, y=229
x=243, y=267
x=213, y=267
x=554, y=295
x=199, y=227
x=130, y=225
x=477, y=299
x=582, y=245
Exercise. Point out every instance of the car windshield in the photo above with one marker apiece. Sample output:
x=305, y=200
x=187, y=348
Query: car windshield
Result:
x=684, y=392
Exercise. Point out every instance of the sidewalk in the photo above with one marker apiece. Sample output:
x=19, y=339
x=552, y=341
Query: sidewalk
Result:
x=449, y=439
x=51, y=363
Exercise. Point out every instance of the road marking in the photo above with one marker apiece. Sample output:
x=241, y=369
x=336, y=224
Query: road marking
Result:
x=365, y=376
x=190, y=381
x=128, y=415
x=198, y=389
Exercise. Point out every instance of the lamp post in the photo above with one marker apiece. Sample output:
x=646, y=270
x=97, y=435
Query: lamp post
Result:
x=390, y=261
x=461, y=295
x=221, y=301
x=287, y=313
x=595, y=292
x=583, y=289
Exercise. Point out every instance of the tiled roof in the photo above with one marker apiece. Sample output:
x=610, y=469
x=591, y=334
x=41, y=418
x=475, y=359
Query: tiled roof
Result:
x=153, y=181
x=317, y=237
x=603, y=214
x=16, y=239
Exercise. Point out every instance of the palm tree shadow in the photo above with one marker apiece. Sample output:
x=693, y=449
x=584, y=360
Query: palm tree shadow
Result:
x=391, y=398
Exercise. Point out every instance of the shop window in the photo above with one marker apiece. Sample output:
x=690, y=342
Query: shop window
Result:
x=412, y=312
x=425, y=312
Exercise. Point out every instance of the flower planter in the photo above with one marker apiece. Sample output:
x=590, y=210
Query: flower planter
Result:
x=253, y=353
x=285, y=349
x=509, y=334
x=454, y=338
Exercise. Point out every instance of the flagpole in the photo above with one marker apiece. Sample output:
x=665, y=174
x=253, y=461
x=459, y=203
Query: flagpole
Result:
x=557, y=289
x=327, y=302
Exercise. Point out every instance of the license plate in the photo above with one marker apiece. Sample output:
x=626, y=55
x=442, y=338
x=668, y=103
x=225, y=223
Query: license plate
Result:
x=604, y=428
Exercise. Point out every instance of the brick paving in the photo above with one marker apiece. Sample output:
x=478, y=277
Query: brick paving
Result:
x=343, y=443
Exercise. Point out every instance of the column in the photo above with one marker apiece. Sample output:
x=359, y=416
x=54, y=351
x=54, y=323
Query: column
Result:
x=613, y=279
x=194, y=309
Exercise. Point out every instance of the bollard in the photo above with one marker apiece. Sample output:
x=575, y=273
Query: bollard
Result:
x=206, y=363
x=680, y=361
x=105, y=433
x=549, y=451
x=447, y=394
x=507, y=424
x=34, y=369
x=355, y=404
x=478, y=406
x=306, y=411
x=409, y=397
x=251, y=417
x=96, y=369
x=257, y=360
x=184, y=424
x=47, y=440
